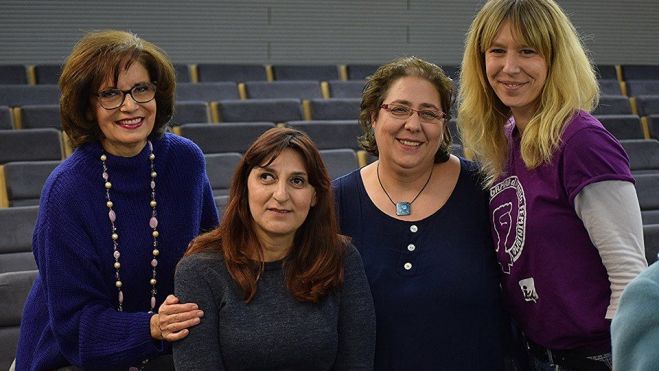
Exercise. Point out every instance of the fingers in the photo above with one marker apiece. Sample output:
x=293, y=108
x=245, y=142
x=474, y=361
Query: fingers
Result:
x=179, y=330
x=174, y=319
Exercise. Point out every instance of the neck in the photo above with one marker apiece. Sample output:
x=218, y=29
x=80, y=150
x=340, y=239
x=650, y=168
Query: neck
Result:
x=123, y=150
x=275, y=248
x=404, y=179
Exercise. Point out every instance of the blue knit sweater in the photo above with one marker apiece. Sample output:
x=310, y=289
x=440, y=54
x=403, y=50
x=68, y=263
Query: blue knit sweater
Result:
x=70, y=316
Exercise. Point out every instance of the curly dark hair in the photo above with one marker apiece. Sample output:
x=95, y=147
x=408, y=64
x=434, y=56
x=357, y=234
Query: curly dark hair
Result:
x=97, y=56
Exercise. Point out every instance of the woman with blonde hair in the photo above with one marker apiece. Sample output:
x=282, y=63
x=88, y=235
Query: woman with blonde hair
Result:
x=565, y=217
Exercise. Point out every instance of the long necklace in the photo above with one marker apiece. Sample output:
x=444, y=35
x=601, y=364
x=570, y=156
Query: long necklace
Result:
x=403, y=208
x=153, y=223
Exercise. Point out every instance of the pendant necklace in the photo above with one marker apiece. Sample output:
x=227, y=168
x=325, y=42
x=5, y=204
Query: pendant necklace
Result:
x=403, y=208
x=153, y=224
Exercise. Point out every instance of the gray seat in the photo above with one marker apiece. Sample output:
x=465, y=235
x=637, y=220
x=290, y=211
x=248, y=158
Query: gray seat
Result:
x=339, y=162
x=190, y=111
x=13, y=74
x=653, y=126
x=207, y=72
x=25, y=179
x=606, y=71
x=220, y=168
x=306, y=89
x=623, y=126
x=613, y=105
x=331, y=134
x=305, y=72
x=207, y=92
x=361, y=71
x=651, y=238
x=224, y=137
x=642, y=87
x=609, y=87
x=16, y=229
x=221, y=204
x=640, y=72
x=643, y=155
x=39, y=116
x=260, y=110
x=182, y=72
x=346, y=89
x=647, y=104
x=452, y=71
x=14, y=289
x=47, y=73
x=650, y=217
x=21, y=95
x=6, y=121
x=647, y=187
x=30, y=145
x=335, y=109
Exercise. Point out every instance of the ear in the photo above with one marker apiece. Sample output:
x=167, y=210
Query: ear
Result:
x=313, y=199
x=374, y=117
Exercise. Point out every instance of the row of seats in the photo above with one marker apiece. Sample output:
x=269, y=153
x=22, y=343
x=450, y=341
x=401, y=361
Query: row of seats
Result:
x=209, y=72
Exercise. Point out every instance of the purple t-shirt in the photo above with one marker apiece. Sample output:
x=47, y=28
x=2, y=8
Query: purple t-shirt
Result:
x=554, y=282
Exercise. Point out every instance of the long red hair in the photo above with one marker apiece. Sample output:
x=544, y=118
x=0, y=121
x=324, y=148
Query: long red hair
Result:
x=314, y=265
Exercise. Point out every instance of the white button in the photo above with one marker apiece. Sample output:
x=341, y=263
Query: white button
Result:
x=414, y=228
x=411, y=247
x=407, y=266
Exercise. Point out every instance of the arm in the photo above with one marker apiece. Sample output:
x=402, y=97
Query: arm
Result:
x=356, y=350
x=635, y=328
x=612, y=217
x=200, y=350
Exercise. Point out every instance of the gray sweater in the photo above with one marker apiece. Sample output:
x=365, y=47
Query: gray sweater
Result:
x=274, y=331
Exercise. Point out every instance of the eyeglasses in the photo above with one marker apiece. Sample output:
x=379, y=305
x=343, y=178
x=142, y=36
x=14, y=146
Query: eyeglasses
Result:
x=114, y=98
x=402, y=112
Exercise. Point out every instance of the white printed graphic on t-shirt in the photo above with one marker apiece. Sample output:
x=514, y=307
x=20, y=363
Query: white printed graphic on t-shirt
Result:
x=508, y=220
x=528, y=289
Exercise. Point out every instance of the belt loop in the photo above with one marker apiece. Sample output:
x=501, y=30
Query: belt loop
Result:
x=550, y=356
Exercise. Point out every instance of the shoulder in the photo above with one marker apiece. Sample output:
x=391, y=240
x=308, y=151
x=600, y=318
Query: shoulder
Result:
x=585, y=129
x=352, y=258
x=72, y=179
x=199, y=261
x=178, y=147
x=347, y=180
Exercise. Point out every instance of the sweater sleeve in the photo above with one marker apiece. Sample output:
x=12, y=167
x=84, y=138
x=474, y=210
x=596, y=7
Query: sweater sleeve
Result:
x=89, y=330
x=200, y=350
x=356, y=350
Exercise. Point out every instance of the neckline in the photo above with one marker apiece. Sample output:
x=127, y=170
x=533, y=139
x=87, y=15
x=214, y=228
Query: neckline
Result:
x=450, y=198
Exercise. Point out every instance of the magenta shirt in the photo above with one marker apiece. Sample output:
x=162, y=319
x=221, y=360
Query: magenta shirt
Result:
x=554, y=282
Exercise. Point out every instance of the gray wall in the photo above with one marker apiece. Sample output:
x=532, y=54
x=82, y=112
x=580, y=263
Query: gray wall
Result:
x=305, y=31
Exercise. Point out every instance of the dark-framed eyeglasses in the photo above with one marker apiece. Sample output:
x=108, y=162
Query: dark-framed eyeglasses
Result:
x=403, y=112
x=114, y=98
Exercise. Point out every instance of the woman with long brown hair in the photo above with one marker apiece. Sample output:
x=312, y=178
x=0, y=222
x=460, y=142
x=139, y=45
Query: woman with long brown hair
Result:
x=280, y=288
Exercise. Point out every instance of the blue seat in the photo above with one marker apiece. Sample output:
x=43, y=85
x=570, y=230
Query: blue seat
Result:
x=30, y=145
x=283, y=89
x=34, y=116
x=331, y=134
x=606, y=72
x=207, y=72
x=452, y=71
x=25, y=179
x=221, y=204
x=14, y=289
x=6, y=120
x=260, y=110
x=207, y=92
x=642, y=87
x=346, y=89
x=647, y=104
x=13, y=74
x=334, y=109
x=220, y=168
x=21, y=95
x=643, y=155
x=360, y=71
x=609, y=87
x=305, y=72
x=640, y=72
x=47, y=73
x=224, y=137
x=613, y=105
x=651, y=238
x=623, y=126
x=339, y=162
x=16, y=229
x=182, y=72
x=190, y=111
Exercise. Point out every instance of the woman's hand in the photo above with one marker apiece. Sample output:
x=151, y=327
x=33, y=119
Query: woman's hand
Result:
x=173, y=319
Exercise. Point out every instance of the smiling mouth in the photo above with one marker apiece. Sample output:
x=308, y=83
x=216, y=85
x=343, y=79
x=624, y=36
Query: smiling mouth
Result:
x=133, y=123
x=512, y=85
x=409, y=143
x=279, y=211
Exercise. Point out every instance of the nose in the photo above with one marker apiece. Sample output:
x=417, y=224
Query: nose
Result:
x=281, y=192
x=413, y=123
x=511, y=63
x=129, y=104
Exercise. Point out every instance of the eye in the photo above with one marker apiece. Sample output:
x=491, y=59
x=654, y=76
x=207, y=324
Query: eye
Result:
x=496, y=51
x=141, y=88
x=266, y=177
x=298, y=181
x=429, y=115
x=529, y=51
x=109, y=94
x=400, y=110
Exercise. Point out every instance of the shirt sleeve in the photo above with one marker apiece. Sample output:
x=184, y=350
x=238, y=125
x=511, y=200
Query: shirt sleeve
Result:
x=610, y=212
x=635, y=328
x=356, y=350
x=200, y=350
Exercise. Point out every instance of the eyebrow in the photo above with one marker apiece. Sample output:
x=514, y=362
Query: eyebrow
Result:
x=422, y=105
x=270, y=169
x=134, y=85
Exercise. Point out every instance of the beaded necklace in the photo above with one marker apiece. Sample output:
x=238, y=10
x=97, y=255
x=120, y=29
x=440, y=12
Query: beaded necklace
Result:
x=153, y=223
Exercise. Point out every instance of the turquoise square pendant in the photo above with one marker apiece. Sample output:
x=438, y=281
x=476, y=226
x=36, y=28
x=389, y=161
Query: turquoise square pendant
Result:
x=403, y=208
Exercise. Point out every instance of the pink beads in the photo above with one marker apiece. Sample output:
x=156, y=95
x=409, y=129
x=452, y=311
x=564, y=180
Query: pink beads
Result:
x=116, y=254
x=154, y=263
x=112, y=216
x=153, y=222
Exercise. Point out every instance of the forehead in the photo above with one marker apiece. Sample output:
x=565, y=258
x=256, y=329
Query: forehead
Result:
x=288, y=160
x=413, y=89
x=126, y=75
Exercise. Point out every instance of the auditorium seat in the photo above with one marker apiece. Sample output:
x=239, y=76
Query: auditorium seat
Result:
x=220, y=168
x=6, y=121
x=339, y=162
x=643, y=155
x=613, y=105
x=14, y=289
x=606, y=72
x=651, y=239
x=208, y=92
x=35, y=116
x=20, y=95
x=452, y=126
x=360, y=71
x=609, y=87
x=260, y=110
x=647, y=104
x=452, y=71
x=331, y=134
x=221, y=204
x=30, y=145
x=640, y=72
x=647, y=190
x=47, y=73
x=224, y=137
x=305, y=72
x=207, y=72
x=182, y=72
x=653, y=126
x=24, y=181
x=623, y=126
x=344, y=89
x=190, y=111
x=642, y=87
x=16, y=229
x=13, y=74
x=333, y=109
x=307, y=89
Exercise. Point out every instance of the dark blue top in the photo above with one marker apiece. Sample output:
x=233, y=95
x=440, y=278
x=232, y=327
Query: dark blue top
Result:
x=434, y=281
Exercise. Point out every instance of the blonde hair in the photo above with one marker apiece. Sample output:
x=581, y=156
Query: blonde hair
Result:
x=570, y=86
